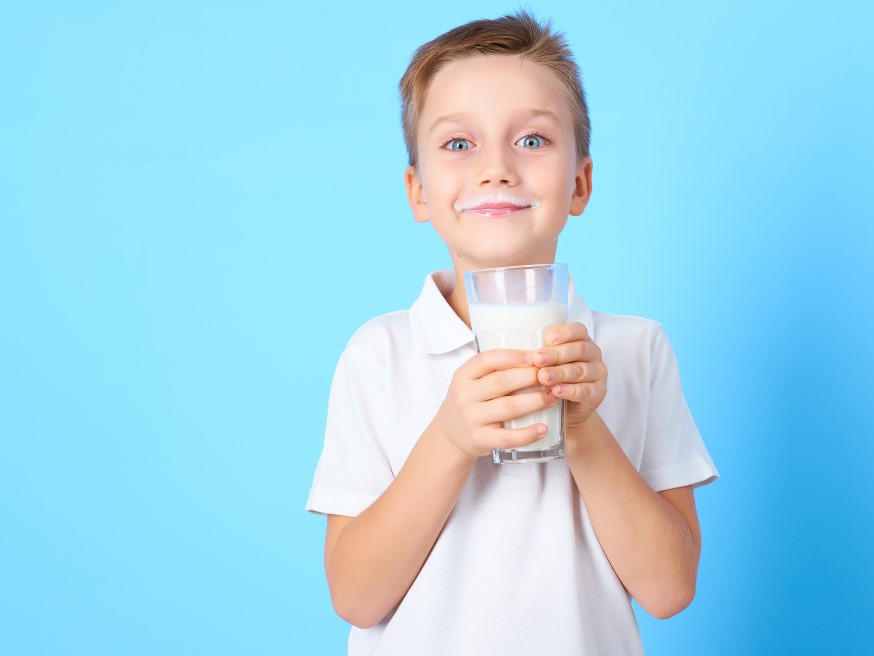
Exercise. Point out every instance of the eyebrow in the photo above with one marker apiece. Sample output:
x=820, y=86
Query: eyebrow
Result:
x=460, y=116
x=449, y=118
x=544, y=113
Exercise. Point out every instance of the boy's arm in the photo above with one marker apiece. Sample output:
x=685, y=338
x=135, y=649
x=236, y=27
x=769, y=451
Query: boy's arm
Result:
x=651, y=539
x=372, y=560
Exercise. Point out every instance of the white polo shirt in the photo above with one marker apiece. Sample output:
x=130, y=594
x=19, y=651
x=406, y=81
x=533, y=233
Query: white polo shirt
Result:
x=518, y=569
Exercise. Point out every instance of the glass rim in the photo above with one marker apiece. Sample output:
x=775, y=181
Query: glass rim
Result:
x=518, y=266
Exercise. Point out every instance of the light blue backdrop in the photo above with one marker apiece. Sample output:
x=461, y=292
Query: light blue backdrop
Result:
x=201, y=201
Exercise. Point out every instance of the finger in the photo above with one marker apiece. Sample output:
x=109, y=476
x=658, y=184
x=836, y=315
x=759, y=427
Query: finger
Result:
x=576, y=351
x=568, y=332
x=504, y=382
x=573, y=372
x=487, y=362
x=514, y=406
x=585, y=393
x=513, y=438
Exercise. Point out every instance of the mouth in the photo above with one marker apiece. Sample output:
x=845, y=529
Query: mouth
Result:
x=492, y=205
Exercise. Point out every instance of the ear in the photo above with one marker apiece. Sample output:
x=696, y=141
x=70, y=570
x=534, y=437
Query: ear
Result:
x=416, y=195
x=582, y=187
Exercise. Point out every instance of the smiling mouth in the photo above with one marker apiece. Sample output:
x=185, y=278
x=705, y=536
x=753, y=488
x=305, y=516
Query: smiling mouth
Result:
x=496, y=205
x=501, y=209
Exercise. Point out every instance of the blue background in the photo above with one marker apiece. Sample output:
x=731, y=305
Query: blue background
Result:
x=201, y=201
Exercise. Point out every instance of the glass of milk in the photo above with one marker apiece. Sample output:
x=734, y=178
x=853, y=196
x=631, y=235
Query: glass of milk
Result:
x=512, y=307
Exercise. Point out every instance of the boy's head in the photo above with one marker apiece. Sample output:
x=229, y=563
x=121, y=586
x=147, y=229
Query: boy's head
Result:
x=516, y=34
x=498, y=136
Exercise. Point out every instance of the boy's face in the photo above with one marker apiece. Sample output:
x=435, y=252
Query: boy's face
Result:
x=497, y=171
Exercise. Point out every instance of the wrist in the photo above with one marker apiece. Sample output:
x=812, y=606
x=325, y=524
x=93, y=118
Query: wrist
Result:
x=444, y=449
x=583, y=434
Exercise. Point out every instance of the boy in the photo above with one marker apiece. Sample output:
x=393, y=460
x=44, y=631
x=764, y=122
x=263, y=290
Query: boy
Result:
x=431, y=548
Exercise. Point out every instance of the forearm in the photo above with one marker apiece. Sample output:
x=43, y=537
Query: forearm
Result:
x=379, y=553
x=652, y=548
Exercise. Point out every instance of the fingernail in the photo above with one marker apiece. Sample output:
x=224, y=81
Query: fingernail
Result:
x=558, y=389
x=552, y=336
x=526, y=358
x=551, y=399
x=548, y=376
x=541, y=429
x=541, y=358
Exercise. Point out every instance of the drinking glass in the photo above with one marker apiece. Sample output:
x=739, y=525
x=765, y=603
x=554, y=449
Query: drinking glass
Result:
x=512, y=307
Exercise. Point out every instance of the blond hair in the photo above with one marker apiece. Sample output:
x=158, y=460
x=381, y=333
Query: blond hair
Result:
x=514, y=34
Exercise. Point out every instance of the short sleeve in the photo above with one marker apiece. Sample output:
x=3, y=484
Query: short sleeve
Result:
x=354, y=469
x=674, y=454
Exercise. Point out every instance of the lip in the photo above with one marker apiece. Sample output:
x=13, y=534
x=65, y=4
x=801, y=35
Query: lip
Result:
x=496, y=205
x=497, y=209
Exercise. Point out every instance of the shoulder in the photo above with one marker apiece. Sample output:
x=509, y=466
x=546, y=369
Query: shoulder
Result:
x=634, y=348
x=625, y=330
x=381, y=331
x=379, y=341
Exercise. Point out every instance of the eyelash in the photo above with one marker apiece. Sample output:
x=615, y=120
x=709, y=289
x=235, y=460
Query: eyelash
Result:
x=540, y=135
x=451, y=139
x=535, y=133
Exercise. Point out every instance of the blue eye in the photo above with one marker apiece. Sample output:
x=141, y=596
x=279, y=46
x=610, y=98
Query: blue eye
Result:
x=457, y=145
x=531, y=141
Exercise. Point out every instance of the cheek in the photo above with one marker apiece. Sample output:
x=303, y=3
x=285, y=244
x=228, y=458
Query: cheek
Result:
x=554, y=174
x=556, y=184
x=439, y=182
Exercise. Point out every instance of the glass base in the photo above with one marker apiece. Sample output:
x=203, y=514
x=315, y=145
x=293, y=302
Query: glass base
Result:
x=516, y=456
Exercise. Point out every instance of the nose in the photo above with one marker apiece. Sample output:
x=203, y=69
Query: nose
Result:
x=497, y=167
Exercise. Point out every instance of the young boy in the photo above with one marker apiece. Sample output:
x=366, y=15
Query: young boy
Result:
x=431, y=548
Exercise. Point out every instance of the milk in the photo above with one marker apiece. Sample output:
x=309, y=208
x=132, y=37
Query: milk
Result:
x=521, y=326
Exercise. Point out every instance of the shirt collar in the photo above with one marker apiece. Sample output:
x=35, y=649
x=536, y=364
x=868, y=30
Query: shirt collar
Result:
x=434, y=320
x=441, y=330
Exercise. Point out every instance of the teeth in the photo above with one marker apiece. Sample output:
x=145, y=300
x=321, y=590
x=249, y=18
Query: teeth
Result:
x=490, y=199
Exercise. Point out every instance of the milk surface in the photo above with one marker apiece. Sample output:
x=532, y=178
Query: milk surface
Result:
x=521, y=326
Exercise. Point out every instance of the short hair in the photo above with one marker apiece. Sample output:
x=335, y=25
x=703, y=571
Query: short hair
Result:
x=513, y=34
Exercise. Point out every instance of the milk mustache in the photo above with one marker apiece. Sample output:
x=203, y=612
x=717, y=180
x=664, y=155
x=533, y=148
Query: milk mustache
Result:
x=521, y=326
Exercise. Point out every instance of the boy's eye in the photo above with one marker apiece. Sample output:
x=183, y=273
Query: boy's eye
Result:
x=531, y=141
x=457, y=144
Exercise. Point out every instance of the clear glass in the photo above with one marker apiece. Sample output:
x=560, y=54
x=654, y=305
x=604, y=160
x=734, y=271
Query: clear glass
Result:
x=511, y=307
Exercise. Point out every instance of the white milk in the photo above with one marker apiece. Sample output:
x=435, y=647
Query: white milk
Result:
x=521, y=326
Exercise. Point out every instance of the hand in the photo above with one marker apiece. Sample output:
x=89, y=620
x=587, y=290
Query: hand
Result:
x=480, y=398
x=571, y=366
